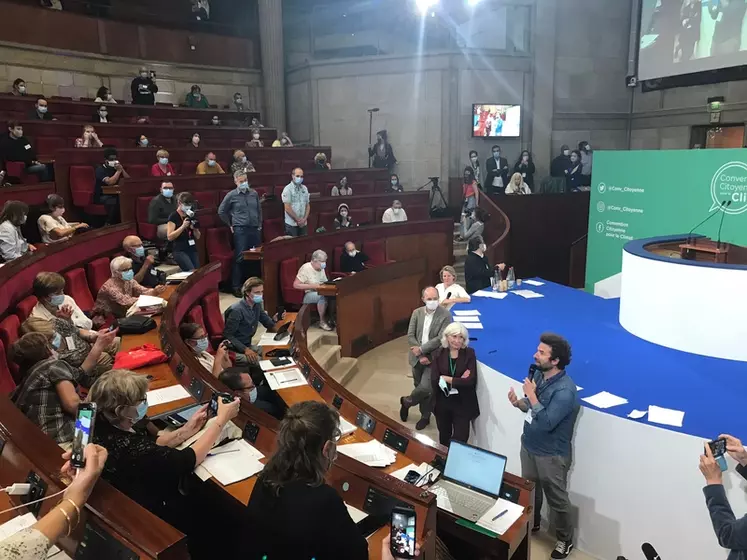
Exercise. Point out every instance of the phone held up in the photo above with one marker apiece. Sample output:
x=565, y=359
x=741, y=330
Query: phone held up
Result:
x=718, y=448
x=403, y=532
x=84, y=423
x=213, y=408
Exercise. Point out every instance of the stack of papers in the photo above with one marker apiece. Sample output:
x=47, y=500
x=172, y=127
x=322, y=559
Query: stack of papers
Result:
x=144, y=302
x=533, y=282
x=346, y=428
x=527, y=294
x=268, y=339
x=489, y=294
x=605, y=400
x=166, y=395
x=505, y=521
x=233, y=462
x=285, y=378
x=469, y=318
x=467, y=314
x=266, y=365
x=230, y=431
x=178, y=276
x=423, y=468
x=371, y=453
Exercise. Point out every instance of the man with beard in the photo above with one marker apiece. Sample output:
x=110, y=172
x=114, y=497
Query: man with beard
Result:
x=551, y=407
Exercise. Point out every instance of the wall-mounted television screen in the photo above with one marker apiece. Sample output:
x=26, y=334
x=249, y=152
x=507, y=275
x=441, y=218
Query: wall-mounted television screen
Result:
x=496, y=121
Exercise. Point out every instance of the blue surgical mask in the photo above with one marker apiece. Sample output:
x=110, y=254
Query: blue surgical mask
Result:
x=185, y=208
x=57, y=300
x=257, y=299
x=142, y=410
x=144, y=142
x=394, y=182
x=128, y=275
x=211, y=162
x=243, y=159
x=243, y=187
x=168, y=193
x=298, y=180
x=323, y=265
x=140, y=251
x=163, y=161
x=252, y=394
x=201, y=345
x=42, y=110
x=442, y=384
x=56, y=341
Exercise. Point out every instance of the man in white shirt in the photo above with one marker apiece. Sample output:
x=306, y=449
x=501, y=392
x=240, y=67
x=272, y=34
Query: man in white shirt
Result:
x=296, y=204
x=310, y=276
x=394, y=214
x=427, y=324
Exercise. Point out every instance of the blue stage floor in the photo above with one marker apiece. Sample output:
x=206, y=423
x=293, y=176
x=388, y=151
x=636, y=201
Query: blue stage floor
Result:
x=711, y=392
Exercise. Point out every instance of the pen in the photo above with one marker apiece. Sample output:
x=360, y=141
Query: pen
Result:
x=231, y=451
x=501, y=514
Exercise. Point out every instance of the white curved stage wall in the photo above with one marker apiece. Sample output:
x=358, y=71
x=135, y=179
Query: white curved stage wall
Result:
x=630, y=482
x=688, y=307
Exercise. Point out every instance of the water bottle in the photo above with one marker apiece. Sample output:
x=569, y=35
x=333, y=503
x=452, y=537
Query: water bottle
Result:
x=511, y=278
x=496, y=281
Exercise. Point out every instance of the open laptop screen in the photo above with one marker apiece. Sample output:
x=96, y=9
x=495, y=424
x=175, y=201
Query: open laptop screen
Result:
x=475, y=468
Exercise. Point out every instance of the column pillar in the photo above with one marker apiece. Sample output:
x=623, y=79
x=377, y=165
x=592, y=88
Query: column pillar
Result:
x=543, y=75
x=273, y=62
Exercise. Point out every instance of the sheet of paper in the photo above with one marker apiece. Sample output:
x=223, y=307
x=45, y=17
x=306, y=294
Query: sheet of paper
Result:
x=356, y=514
x=178, y=276
x=579, y=388
x=230, y=431
x=166, y=395
x=202, y=473
x=423, y=468
x=372, y=453
x=665, y=416
x=266, y=365
x=489, y=294
x=637, y=414
x=150, y=301
x=346, y=428
x=233, y=462
x=527, y=294
x=533, y=282
x=505, y=521
x=285, y=378
x=468, y=320
x=605, y=400
x=473, y=326
x=268, y=339
x=467, y=313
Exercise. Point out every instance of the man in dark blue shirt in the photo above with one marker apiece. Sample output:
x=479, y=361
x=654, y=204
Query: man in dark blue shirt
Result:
x=109, y=175
x=551, y=407
x=242, y=319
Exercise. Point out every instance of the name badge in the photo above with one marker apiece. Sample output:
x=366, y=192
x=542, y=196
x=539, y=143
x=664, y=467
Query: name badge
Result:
x=70, y=341
x=154, y=272
x=528, y=418
x=191, y=242
x=27, y=147
x=524, y=175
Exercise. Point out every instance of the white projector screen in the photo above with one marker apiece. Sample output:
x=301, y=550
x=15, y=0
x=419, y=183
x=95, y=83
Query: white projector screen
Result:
x=686, y=36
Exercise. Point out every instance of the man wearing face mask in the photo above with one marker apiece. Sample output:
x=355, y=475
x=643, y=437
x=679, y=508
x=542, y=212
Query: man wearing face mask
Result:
x=41, y=111
x=587, y=160
x=559, y=169
x=296, y=203
x=242, y=319
x=215, y=121
x=259, y=394
x=238, y=102
x=108, y=174
x=53, y=228
x=195, y=99
x=310, y=276
x=209, y=166
x=14, y=146
x=241, y=210
x=497, y=172
x=161, y=207
x=142, y=265
x=144, y=88
x=427, y=325
x=255, y=142
x=394, y=214
x=101, y=115
x=241, y=163
x=352, y=260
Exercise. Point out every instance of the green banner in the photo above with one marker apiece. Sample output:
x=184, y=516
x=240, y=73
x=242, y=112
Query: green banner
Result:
x=640, y=194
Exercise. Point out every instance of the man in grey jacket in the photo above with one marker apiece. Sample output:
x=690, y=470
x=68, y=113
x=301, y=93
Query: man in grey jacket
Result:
x=241, y=210
x=427, y=324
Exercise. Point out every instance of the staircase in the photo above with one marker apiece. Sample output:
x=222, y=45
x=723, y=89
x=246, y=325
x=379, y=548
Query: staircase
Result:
x=460, y=254
x=323, y=346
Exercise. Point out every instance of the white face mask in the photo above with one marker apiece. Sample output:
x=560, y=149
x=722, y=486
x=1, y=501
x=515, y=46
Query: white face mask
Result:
x=431, y=305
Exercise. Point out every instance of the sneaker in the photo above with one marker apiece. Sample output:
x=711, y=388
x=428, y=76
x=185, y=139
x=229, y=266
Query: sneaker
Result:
x=562, y=549
x=422, y=423
x=404, y=409
x=536, y=528
x=325, y=327
x=237, y=293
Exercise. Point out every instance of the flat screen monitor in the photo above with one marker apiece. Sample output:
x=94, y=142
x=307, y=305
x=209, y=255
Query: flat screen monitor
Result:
x=496, y=121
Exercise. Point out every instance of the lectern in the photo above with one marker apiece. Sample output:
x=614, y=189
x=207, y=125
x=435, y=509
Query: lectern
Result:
x=705, y=249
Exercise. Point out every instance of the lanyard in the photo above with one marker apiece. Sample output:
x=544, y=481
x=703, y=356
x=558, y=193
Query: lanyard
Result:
x=550, y=382
x=452, y=366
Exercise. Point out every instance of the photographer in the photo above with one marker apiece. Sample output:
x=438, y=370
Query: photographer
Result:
x=182, y=230
x=730, y=531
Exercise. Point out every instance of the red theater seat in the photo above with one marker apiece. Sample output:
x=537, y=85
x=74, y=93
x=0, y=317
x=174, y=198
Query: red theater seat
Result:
x=98, y=272
x=47, y=145
x=376, y=251
x=362, y=188
x=7, y=384
x=218, y=245
x=288, y=271
x=206, y=199
x=194, y=315
x=417, y=213
x=362, y=216
x=214, y=323
x=82, y=181
x=18, y=169
x=272, y=228
x=76, y=286
x=139, y=171
x=9, y=332
x=326, y=220
x=25, y=306
x=146, y=230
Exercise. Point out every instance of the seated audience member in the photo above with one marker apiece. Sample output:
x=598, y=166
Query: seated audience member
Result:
x=243, y=317
x=19, y=87
x=343, y=218
x=310, y=277
x=196, y=338
x=209, y=166
x=40, y=112
x=240, y=163
x=575, y=177
x=53, y=228
x=352, y=260
x=118, y=295
x=143, y=88
x=151, y=470
x=516, y=185
x=183, y=232
x=342, y=189
x=259, y=394
x=449, y=292
x=142, y=141
x=394, y=214
x=195, y=99
x=215, y=121
x=161, y=207
x=12, y=242
x=454, y=368
x=476, y=224
x=47, y=395
x=283, y=141
x=256, y=124
x=194, y=142
x=293, y=513
x=108, y=174
x=162, y=167
x=48, y=287
x=295, y=198
x=89, y=139
x=526, y=168
x=394, y=184
x=103, y=95
x=238, y=102
x=477, y=269
x=14, y=146
x=102, y=115
x=320, y=160
x=142, y=265
x=255, y=142
x=35, y=542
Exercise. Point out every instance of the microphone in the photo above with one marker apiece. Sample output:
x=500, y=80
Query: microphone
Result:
x=532, y=370
x=448, y=296
x=374, y=110
x=723, y=215
x=710, y=215
x=649, y=552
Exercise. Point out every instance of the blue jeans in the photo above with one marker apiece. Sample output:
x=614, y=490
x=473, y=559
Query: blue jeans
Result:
x=187, y=260
x=296, y=231
x=244, y=238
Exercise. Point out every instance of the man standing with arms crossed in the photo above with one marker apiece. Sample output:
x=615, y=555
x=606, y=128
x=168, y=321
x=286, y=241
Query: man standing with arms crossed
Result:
x=551, y=407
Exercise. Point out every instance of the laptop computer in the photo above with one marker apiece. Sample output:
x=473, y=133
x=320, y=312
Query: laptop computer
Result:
x=471, y=481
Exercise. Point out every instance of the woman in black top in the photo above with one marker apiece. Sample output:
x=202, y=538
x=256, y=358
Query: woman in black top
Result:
x=343, y=218
x=382, y=152
x=182, y=231
x=150, y=470
x=526, y=167
x=477, y=269
x=575, y=178
x=395, y=185
x=293, y=513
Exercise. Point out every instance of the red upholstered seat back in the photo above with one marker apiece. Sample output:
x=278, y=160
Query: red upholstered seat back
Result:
x=9, y=332
x=82, y=180
x=194, y=315
x=327, y=220
x=76, y=286
x=218, y=244
x=417, y=213
x=336, y=258
x=7, y=384
x=271, y=229
x=362, y=188
x=145, y=229
x=18, y=169
x=362, y=216
x=47, y=145
x=376, y=251
x=206, y=199
x=288, y=272
x=98, y=272
x=24, y=307
x=214, y=323
x=139, y=171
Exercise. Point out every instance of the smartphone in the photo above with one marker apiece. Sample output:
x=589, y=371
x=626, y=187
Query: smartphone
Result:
x=403, y=532
x=718, y=448
x=213, y=408
x=84, y=423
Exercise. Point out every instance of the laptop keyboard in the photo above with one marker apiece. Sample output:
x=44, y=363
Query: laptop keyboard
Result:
x=469, y=501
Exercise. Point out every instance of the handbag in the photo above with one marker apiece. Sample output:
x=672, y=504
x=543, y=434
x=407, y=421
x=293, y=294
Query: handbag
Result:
x=141, y=356
x=136, y=324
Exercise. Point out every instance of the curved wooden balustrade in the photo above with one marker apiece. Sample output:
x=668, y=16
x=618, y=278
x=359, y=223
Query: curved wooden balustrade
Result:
x=496, y=233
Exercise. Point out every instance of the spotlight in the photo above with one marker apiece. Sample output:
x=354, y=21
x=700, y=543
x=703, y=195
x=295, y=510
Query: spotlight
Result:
x=425, y=5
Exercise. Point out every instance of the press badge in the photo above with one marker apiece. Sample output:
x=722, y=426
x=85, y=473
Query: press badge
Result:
x=70, y=341
x=528, y=418
x=27, y=147
x=191, y=242
x=154, y=272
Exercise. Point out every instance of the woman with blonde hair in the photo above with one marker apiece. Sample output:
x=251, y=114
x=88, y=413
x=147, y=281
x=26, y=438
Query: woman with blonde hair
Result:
x=449, y=292
x=454, y=383
x=517, y=185
x=162, y=167
x=89, y=138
